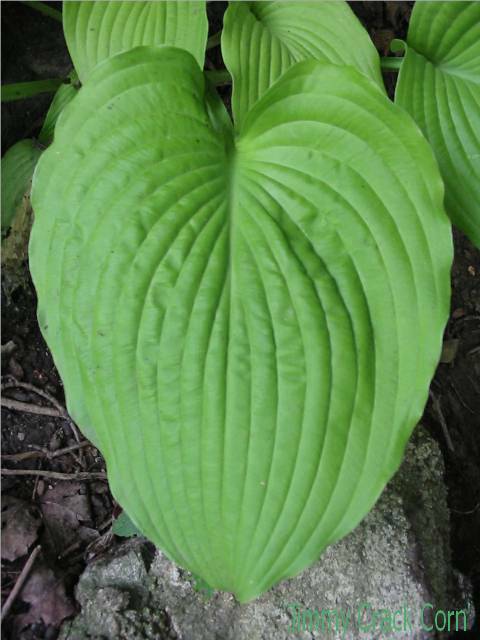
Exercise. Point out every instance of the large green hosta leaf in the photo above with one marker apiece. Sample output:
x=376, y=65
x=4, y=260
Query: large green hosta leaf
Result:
x=97, y=30
x=439, y=84
x=261, y=40
x=250, y=325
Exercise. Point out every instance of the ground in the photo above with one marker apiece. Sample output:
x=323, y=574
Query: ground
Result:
x=71, y=519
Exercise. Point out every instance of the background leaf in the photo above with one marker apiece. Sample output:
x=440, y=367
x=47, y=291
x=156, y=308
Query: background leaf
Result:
x=124, y=527
x=21, y=90
x=251, y=325
x=97, y=30
x=261, y=40
x=64, y=94
x=439, y=85
x=18, y=165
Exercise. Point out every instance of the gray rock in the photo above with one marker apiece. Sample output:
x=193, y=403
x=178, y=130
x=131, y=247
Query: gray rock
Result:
x=391, y=577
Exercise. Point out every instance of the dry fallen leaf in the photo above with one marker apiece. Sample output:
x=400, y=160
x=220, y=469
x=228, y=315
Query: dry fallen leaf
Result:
x=20, y=524
x=67, y=517
x=48, y=600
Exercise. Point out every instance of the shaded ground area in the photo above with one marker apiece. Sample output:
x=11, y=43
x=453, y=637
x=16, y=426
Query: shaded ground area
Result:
x=71, y=518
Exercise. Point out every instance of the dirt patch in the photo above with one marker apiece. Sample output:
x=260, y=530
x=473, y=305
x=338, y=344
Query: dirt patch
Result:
x=70, y=519
x=453, y=413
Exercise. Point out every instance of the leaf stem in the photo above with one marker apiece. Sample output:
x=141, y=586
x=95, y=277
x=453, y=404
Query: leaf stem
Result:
x=20, y=90
x=391, y=63
x=41, y=7
x=219, y=77
x=20, y=581
x=56, y=475
x=214, y=40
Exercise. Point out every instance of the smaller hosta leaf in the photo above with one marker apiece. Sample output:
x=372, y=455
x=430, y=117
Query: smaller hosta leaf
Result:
x=95, y=31
x=18, y=165
x=439, y=85
x=124, y=527
x=64, y=95
x=261, y=40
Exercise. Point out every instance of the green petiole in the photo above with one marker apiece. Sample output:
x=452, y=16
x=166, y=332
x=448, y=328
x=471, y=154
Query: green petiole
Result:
x=21, y=90
x=219, y=77
x=41, y=7
x=391, y=63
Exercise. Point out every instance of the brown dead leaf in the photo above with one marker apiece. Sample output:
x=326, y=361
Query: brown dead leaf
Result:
x=47, y=597
x=20, y=524
x=66, y=513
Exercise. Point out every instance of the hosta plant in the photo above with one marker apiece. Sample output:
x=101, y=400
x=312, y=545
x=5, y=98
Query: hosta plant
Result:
x=246, y=314
x=439, y=84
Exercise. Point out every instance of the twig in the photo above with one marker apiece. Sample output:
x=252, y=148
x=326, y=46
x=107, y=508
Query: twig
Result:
x=16, y=384
x=20, y=582
x=56, y=475
x=35, y=487
x=469, y=512
x=24, y=455
x=50, y=454
x=467, y=318
x=16, y=405
x=460, y=399
x=443, y=423
x=44, y=453
x=41, y=7
x=73, y=447
x=62, y=412
x=71, y=547
x=97, y=546
x=105, y=524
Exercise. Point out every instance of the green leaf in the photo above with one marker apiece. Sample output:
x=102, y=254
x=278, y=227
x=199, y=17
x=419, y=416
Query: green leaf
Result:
x=45, y=9
x=95, y=31
x=250, y=324
x=261, y=40
x=18, y=165
x=64, y=95
x=22, y=90
x=439, y=85
x=124, y=527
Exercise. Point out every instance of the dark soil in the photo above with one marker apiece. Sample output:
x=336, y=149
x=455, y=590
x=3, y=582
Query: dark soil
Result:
x=71, y=519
